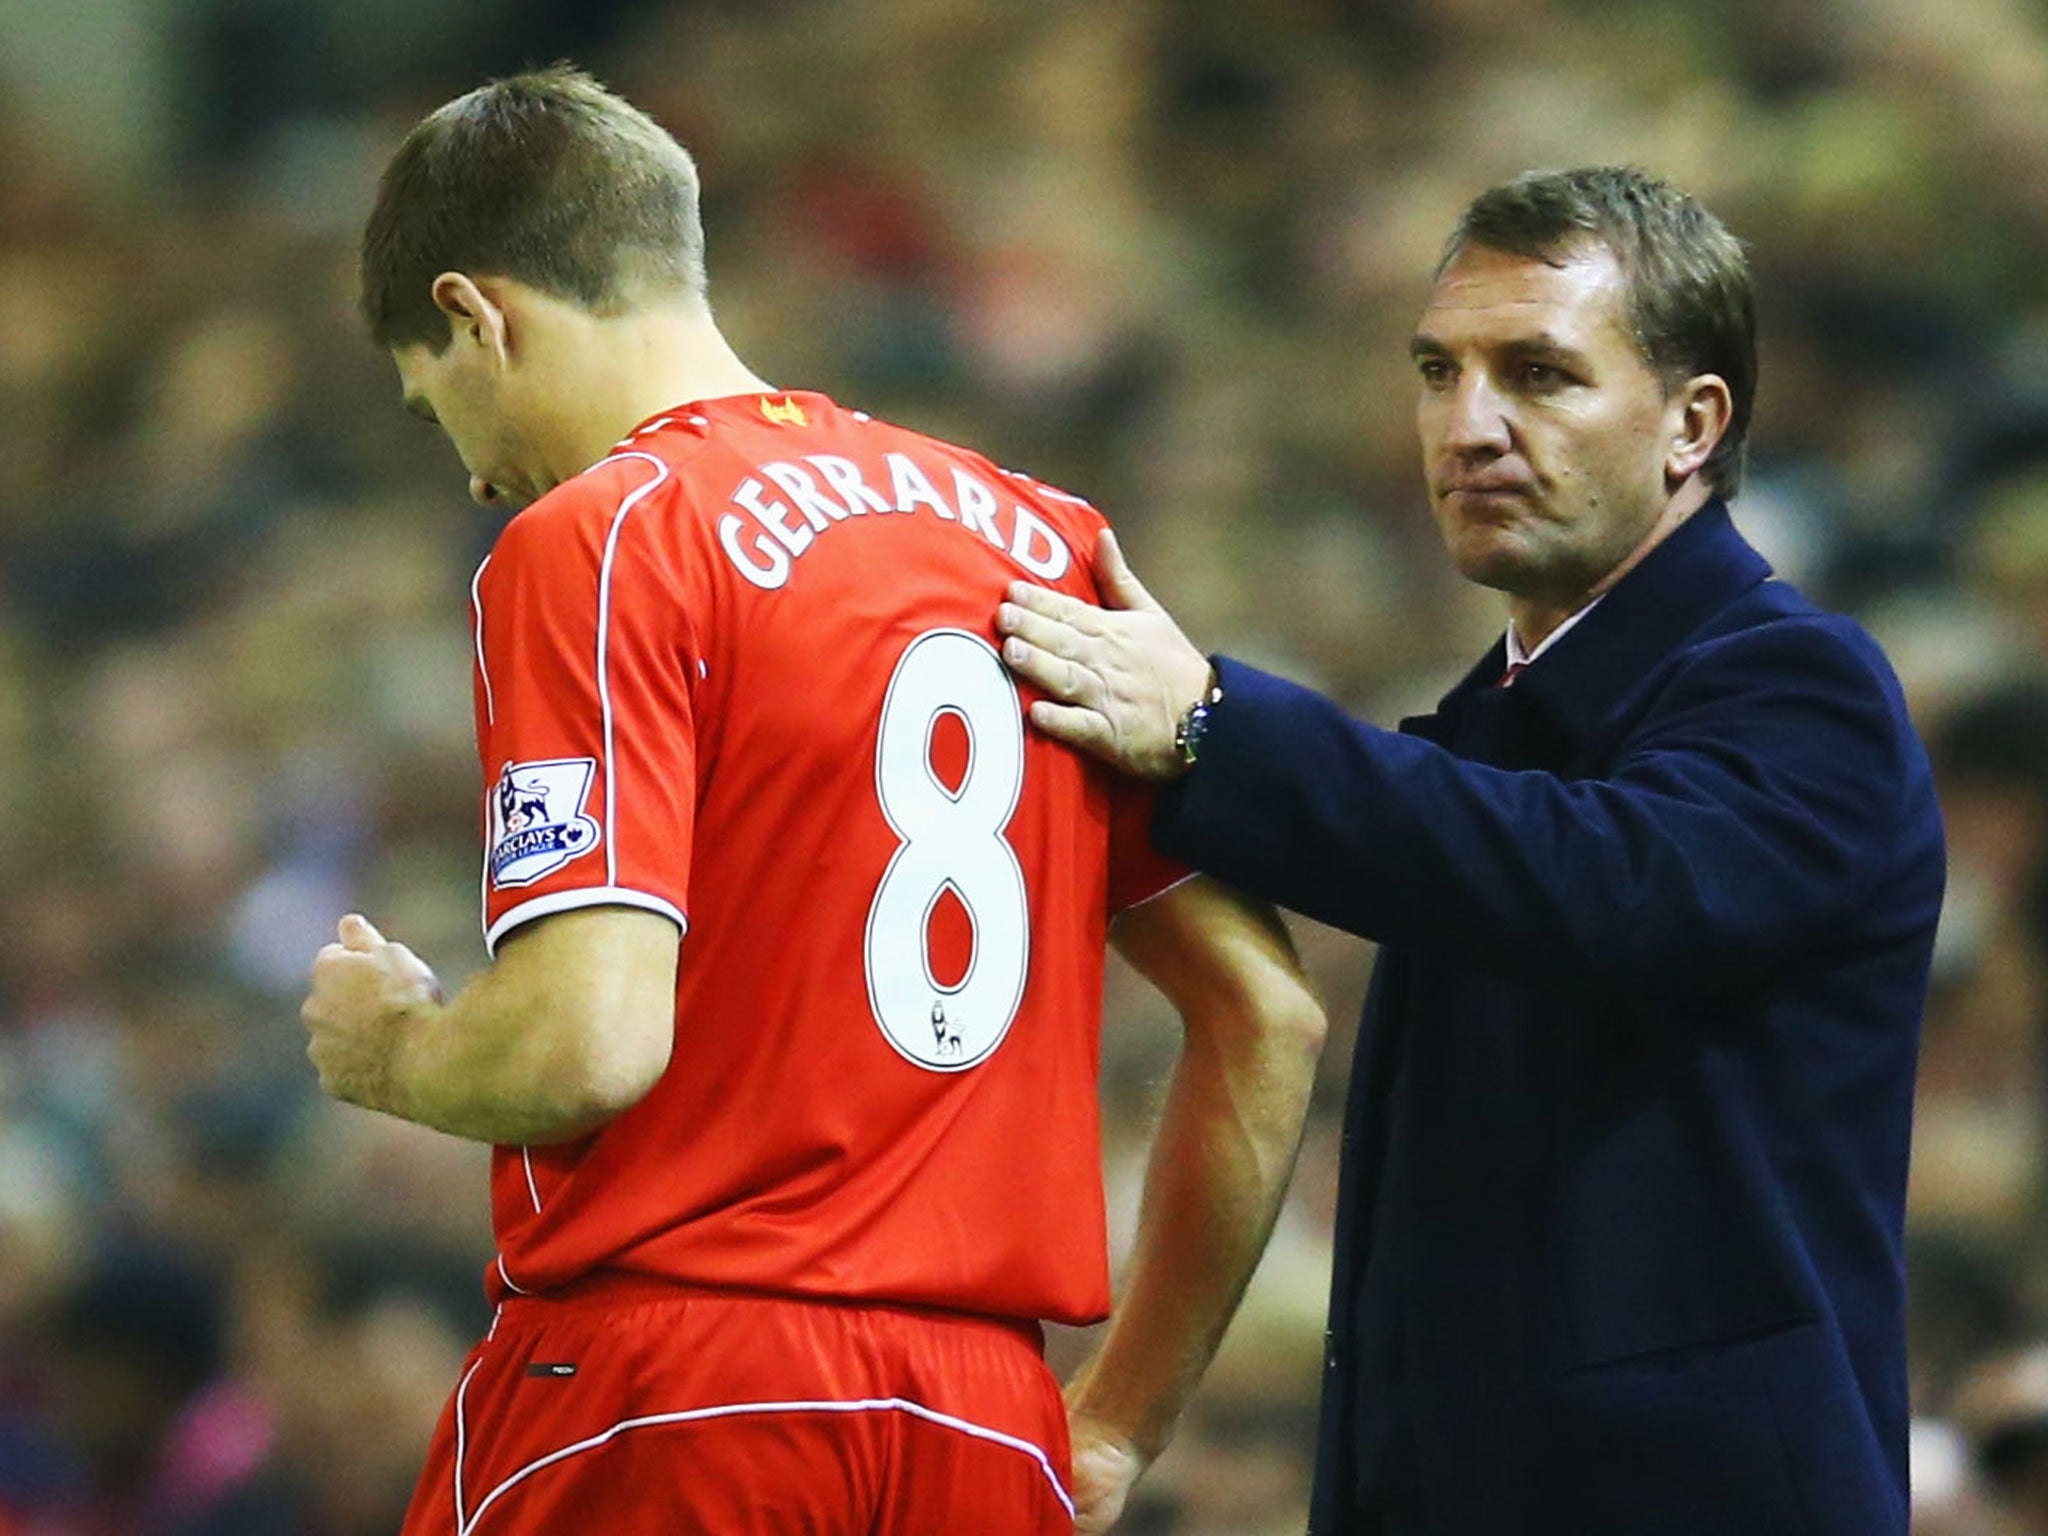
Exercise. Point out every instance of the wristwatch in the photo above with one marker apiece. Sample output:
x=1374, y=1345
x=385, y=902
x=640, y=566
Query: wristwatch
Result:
x=1187, y=736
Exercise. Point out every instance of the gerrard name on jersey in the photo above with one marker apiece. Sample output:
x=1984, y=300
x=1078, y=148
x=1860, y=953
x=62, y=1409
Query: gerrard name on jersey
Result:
x=832, y=491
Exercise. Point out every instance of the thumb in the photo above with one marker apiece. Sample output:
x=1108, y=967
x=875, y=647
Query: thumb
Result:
x=421, y=973
x=1114, y=579
x=357, y=933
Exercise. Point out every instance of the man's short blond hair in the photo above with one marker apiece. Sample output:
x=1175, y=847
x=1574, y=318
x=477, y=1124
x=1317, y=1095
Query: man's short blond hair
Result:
x=546, y=178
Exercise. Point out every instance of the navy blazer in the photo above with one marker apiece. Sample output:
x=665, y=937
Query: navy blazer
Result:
x=1619, y=1250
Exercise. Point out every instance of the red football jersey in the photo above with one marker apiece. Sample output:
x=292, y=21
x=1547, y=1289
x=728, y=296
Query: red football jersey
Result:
x=743, y=673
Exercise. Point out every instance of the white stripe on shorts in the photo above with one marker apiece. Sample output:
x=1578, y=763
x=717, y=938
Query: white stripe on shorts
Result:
x=734, y=1410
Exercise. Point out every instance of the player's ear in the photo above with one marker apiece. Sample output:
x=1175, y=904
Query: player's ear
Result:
x=1697, y=417
x=471, y=313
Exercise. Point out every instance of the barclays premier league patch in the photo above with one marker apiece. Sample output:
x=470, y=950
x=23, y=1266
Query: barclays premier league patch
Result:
x=537, y=820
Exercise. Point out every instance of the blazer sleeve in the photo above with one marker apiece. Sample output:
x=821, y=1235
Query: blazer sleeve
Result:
x=1745, y=818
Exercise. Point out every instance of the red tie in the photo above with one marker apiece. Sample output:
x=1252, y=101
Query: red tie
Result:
x=1507, y=678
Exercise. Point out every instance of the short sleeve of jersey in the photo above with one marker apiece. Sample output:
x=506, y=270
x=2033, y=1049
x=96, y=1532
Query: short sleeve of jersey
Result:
x=1137, y=872
x=585, y=721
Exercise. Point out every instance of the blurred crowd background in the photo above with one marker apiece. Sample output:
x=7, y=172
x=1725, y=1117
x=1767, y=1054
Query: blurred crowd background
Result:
x=1163, y=252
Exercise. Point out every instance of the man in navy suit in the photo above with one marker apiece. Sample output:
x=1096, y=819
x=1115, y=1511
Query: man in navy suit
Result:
x=1619, y=1251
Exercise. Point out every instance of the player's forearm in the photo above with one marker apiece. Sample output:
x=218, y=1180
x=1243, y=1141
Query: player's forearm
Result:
x=571, y=1026
x=499, y=1064
x=1219, y=1169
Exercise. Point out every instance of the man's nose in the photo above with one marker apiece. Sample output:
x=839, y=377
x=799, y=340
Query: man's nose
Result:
x=483, y=493
x=1477, y=420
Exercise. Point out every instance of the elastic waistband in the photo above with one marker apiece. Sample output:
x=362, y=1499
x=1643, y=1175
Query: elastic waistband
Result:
x=603, y=1289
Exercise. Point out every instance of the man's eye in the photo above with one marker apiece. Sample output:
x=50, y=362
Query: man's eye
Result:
x=1544, y=376
x=1434, y=371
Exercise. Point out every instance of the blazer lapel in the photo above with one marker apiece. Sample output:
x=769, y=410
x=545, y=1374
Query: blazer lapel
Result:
x=1703, y=566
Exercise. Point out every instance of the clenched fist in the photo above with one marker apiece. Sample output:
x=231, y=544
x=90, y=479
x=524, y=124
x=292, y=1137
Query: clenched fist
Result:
x=1106, y=1466
x=364, y=987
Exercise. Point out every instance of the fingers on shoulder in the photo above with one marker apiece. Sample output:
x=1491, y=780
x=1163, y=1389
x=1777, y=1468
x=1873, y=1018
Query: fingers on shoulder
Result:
x=1055, y=674
x=1072, y=724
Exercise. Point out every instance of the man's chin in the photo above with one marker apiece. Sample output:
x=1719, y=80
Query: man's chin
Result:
x=1493, y=557
x=1520, y=573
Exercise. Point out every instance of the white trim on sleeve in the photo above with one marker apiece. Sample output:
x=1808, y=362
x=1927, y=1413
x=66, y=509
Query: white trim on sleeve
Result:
x=610, y=893
x=582, y=896
x=604, y=688
x=483, y=669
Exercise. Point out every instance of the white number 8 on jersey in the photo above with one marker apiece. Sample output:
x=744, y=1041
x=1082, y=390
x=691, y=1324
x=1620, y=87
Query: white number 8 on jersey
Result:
x=950, y=838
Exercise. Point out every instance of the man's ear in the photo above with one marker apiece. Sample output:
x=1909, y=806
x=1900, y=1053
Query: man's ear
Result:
x=1697, y=419
x=472, y=314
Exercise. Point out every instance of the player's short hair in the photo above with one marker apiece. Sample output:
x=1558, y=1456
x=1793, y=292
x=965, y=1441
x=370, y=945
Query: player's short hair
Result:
x=546, y=178
x=1691, y=299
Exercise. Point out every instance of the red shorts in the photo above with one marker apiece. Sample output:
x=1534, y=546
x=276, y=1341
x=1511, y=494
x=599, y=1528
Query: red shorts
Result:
x=661, y=1410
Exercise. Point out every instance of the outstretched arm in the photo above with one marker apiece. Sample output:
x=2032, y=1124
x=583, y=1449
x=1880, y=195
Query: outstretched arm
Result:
x=1735, y=826
x=1744, y=821
x=1219, y=1166
x=570, y=1026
